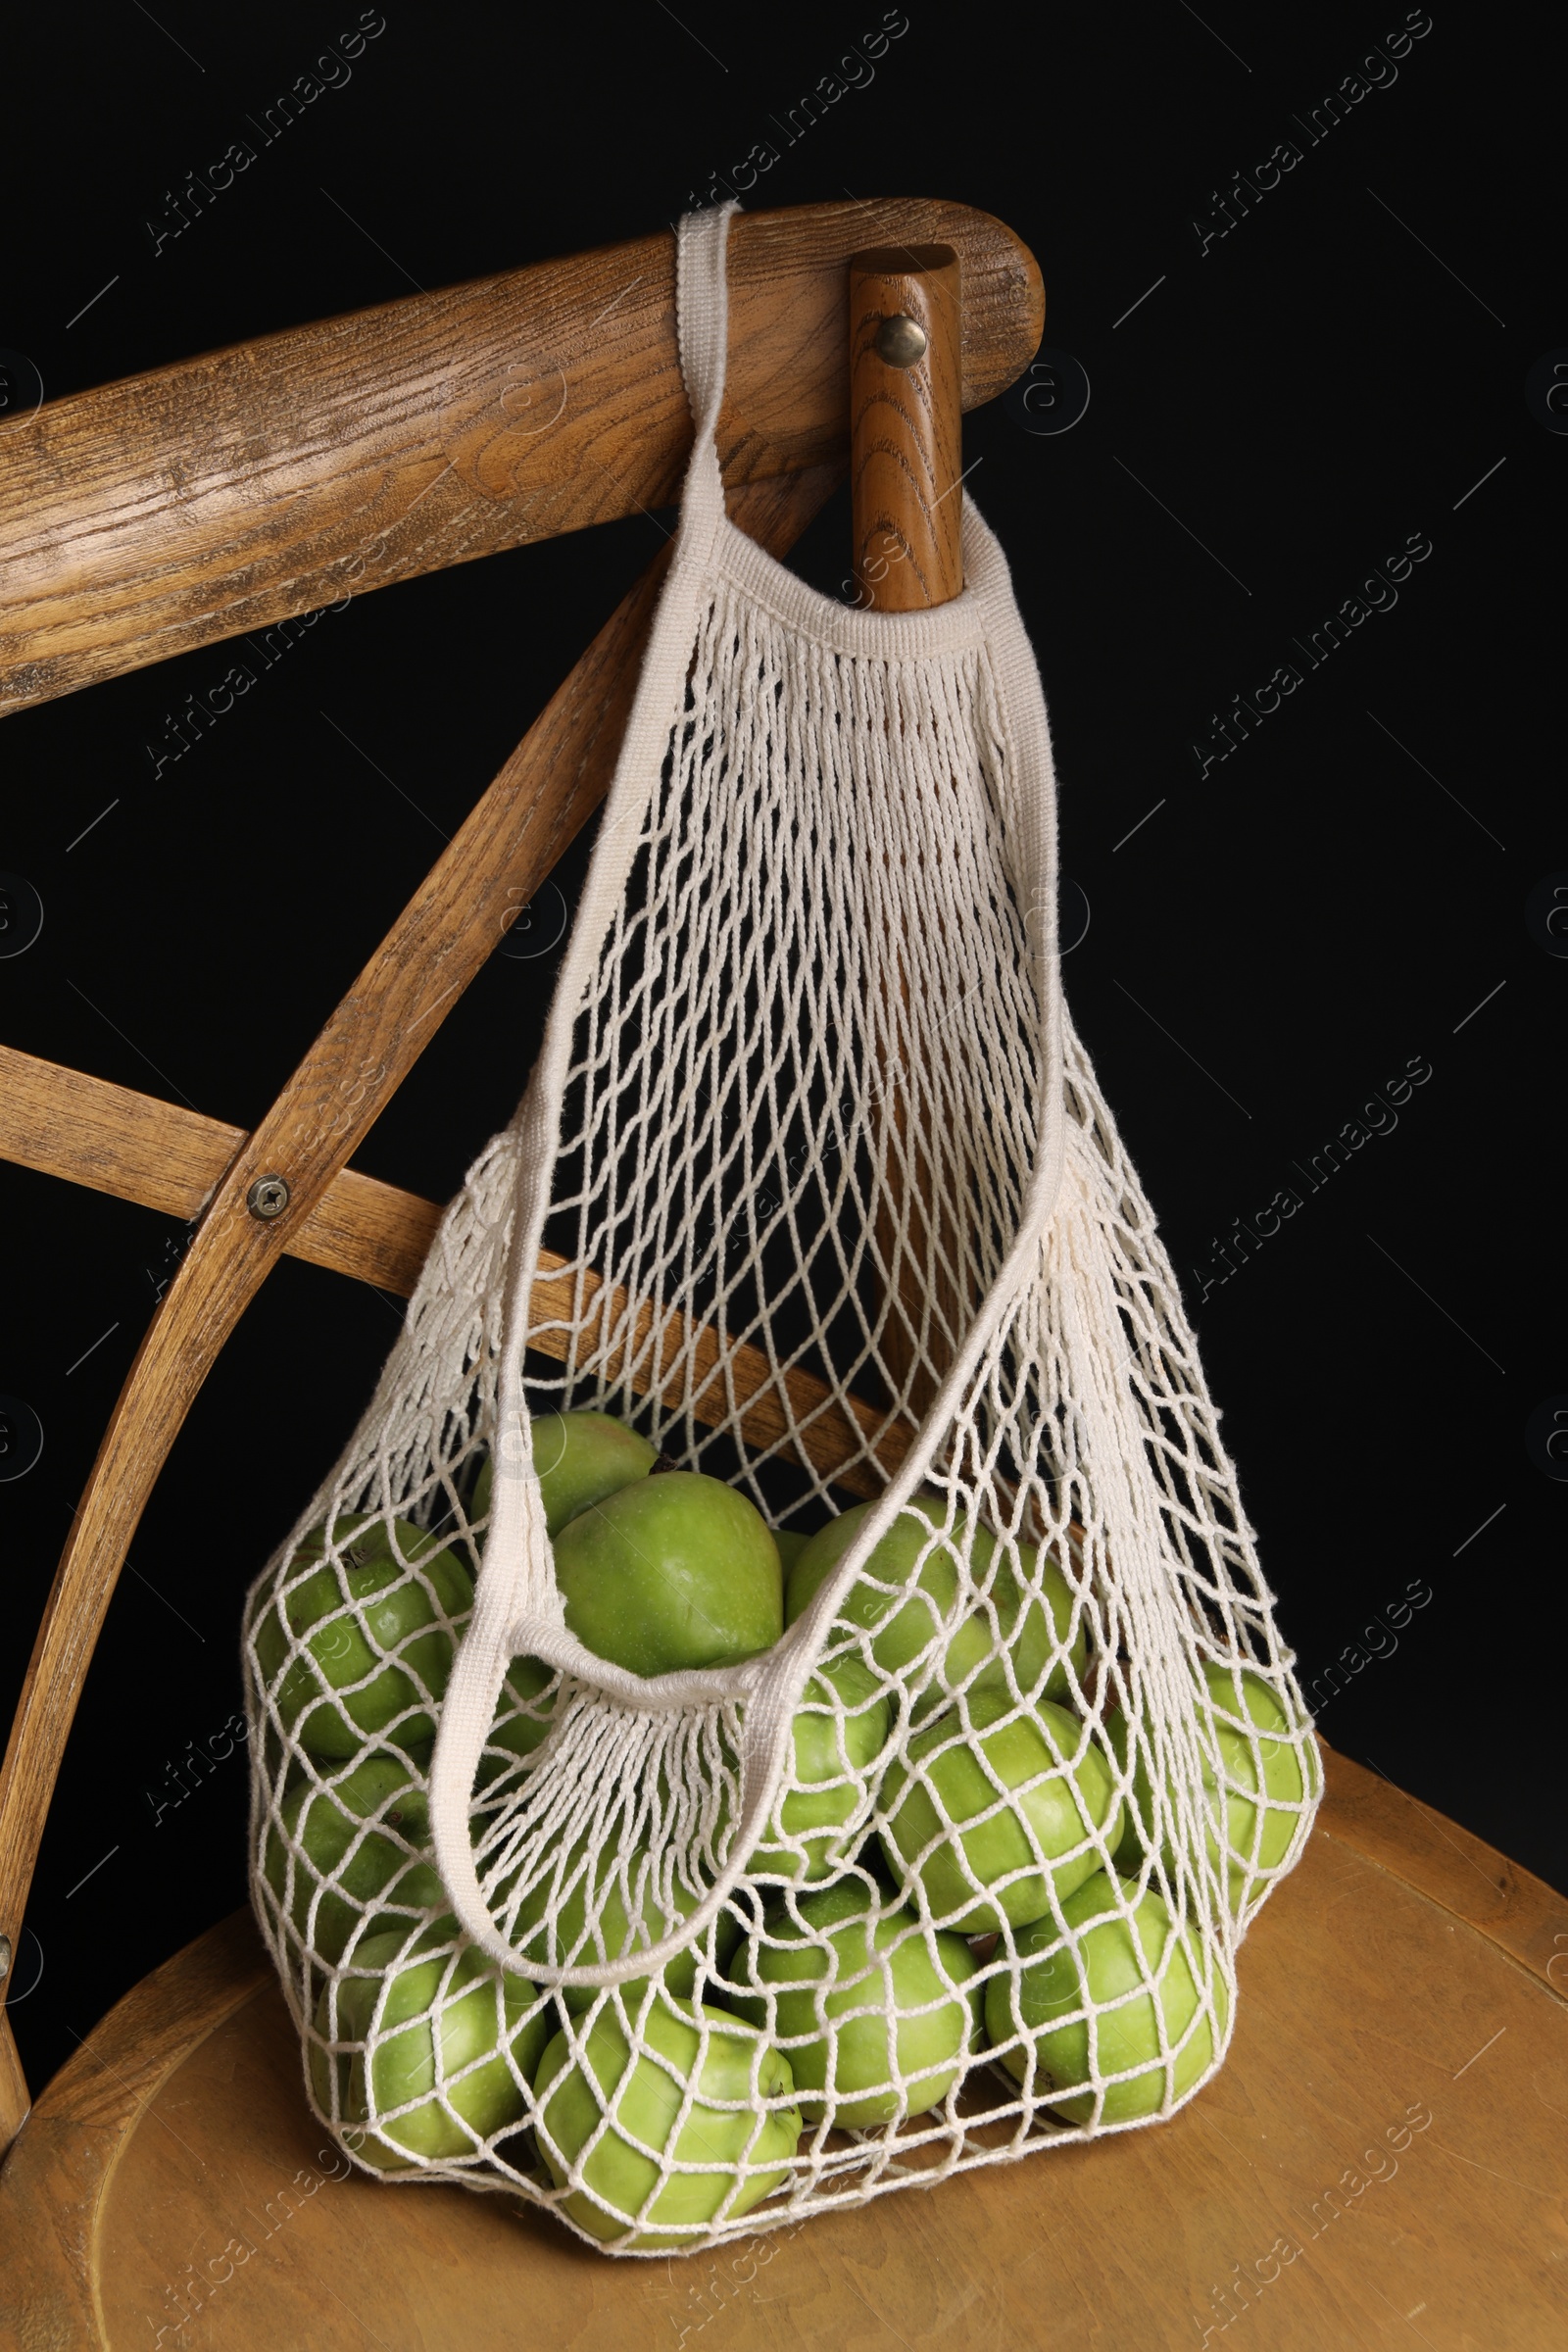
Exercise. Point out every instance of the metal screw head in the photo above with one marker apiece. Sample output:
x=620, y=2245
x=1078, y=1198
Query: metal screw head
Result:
x=5, y=1957
x=900, y=341
x=268, y=1197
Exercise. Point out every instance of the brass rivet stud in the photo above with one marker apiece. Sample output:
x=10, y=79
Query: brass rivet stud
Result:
x=900, y=341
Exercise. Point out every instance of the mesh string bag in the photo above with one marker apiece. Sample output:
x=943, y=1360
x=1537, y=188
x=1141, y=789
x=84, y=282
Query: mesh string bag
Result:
x=813, y=1186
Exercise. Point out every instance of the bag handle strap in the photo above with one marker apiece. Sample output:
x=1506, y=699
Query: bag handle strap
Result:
x=702, y=327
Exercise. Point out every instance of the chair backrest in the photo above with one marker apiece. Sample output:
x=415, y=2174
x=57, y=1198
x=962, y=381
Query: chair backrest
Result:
x=337, y=407
x=431, y=430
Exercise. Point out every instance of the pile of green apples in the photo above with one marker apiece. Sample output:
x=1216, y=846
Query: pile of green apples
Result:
x=845, y=1984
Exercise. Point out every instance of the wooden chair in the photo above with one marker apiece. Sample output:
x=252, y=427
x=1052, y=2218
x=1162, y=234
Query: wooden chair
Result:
x=1381, y=2159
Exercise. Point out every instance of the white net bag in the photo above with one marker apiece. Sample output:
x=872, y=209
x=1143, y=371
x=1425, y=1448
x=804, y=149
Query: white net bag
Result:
x=614, y=1848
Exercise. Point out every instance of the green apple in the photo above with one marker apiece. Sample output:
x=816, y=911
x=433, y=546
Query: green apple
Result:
x=479, y=2013
x=344, y=1877
x=1034, y=1606
x=1100, y=1966
x=1239, y=1697
x=903, y=1628
x=828, y=1771
x=1251, y=1723
x=391, y=1575
x=675, y=1571
x=791, y=1543
x=613, y=1933
x=700, y=2054
x=893, y=2012
x=1034, y=1609
x=1006, y=1749
x=579, y=1458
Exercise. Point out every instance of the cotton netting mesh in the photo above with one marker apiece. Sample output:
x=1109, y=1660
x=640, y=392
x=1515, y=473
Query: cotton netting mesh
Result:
x=798, y=1130
x=813, y=1186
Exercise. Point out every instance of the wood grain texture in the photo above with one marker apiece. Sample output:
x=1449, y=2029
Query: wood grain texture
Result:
x=907, y=430
x=272, y=478
x=542, y=797
x=63, y=1123
x=13, y=2092
x=52, y=2186
x=1450, y=1865
x=199, y=2195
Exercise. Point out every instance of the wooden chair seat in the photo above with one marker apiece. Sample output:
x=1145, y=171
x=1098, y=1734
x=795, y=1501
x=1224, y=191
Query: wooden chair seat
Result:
x=1382, y=2162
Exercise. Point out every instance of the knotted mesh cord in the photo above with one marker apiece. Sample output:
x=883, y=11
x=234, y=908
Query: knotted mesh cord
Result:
x=816, y=937
x=803, y=1078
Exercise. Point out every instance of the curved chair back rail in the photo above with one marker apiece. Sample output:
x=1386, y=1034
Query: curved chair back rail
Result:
x=256, y=483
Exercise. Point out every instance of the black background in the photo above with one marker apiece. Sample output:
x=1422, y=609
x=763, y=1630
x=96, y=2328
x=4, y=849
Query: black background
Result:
x=1287, y=932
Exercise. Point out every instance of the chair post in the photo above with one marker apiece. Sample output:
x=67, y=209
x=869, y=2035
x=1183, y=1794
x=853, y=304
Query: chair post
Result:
x=14, y=2098
x=905, y=474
